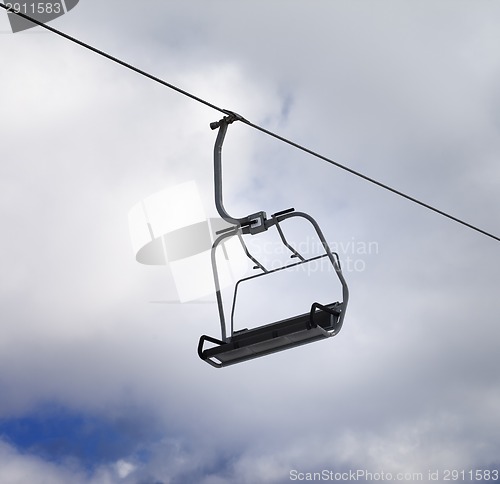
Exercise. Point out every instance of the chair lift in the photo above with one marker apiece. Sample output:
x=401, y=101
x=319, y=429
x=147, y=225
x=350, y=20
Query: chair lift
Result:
x=320, y=322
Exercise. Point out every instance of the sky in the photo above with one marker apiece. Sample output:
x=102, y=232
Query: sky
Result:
x=100, y=381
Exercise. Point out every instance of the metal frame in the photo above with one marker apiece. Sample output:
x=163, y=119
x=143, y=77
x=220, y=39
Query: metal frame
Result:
x=254, y=224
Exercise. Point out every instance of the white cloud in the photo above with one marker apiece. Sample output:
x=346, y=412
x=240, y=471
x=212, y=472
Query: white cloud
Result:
x=124, y=468
x=19, y=468
x=406, y=95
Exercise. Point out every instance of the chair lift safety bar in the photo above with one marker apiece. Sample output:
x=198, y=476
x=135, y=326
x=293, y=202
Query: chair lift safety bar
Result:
x=319, y=322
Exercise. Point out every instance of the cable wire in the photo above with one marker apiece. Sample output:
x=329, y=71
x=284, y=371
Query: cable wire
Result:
x=372, y=180
x=112, y=58
x=248, y=123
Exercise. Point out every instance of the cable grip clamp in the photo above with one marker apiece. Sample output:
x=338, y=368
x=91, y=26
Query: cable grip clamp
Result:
x=230, y=118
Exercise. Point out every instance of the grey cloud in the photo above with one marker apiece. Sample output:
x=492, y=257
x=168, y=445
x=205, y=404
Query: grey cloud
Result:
x=401, y=93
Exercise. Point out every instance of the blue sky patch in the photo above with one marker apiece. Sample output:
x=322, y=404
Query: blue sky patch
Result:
x=57, y=434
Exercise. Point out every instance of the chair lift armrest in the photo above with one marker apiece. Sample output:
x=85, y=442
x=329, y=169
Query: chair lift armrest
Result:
x=201, y=343
x=314, y=306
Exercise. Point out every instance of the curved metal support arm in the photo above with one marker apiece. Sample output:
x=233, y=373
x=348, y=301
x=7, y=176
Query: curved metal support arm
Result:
x=223, y=124
x=333, y=260
x=218, y=294
x=254, y=223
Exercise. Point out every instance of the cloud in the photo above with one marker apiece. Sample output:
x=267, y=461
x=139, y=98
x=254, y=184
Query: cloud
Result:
x=406, y=95
x=124, y=468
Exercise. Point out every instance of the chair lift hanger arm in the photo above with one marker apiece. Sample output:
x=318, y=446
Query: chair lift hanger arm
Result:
x=222, y=125
x=253, y=223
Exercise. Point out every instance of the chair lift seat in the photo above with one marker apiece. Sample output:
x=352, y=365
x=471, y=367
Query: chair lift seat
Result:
x=320, y=323
x=271, y=338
